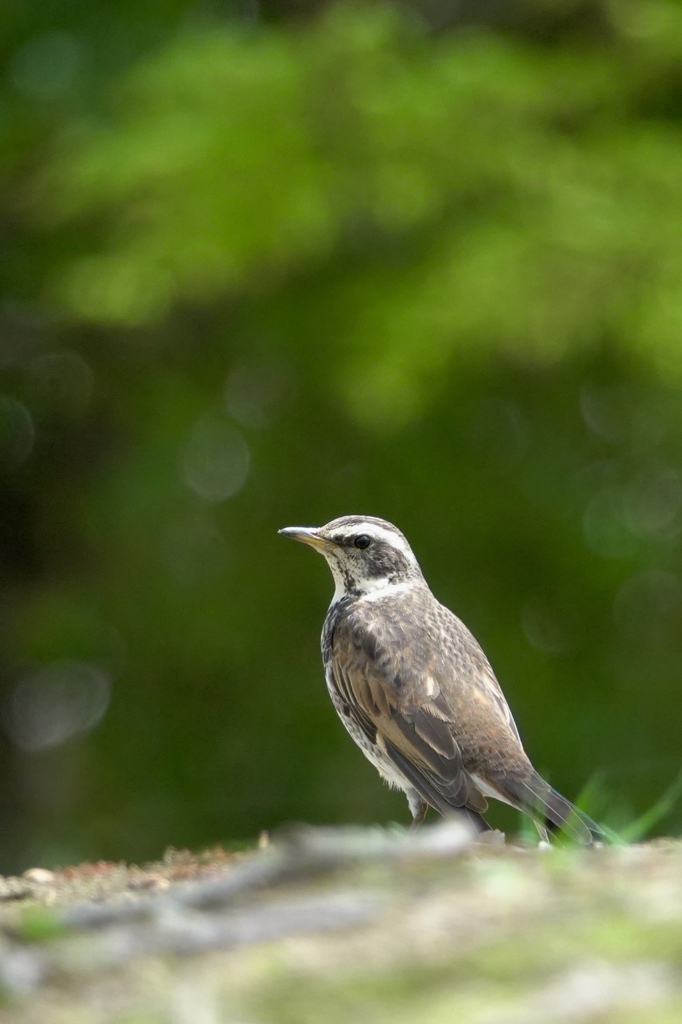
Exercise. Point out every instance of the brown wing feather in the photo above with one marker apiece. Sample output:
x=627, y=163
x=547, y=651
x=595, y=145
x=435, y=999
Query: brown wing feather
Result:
x=398, y=700
x=418, y=684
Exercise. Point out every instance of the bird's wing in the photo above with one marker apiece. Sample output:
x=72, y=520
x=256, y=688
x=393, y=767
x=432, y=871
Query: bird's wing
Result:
x=403, y=711
x=422, y=689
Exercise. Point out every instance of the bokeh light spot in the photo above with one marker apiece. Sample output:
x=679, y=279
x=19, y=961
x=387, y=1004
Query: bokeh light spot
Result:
x=500, y=428
x=215, y=459
x=256, y=391
x=606, y=411
x=47, y=66
x=545, y=631
x=603, y=527
x=653, y=504
x=55, y=703
x=648, y=604
x=62, y=383
x=17, y=433
x=194, y=548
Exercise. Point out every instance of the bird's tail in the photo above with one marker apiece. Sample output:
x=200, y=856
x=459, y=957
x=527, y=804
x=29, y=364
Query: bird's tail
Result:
x=551, y=810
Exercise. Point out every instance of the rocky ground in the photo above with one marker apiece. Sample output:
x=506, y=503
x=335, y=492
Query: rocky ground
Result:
x=361, y=926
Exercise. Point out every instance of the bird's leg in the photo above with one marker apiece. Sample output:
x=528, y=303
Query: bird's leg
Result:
x=543, y=833
x=418, y=809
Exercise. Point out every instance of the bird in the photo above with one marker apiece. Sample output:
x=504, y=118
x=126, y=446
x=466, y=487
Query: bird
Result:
x=415, y=690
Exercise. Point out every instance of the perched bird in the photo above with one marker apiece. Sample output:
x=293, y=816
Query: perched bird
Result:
x=415, y=690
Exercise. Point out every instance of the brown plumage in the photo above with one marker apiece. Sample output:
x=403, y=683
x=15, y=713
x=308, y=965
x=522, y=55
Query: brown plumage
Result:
x=414, y=688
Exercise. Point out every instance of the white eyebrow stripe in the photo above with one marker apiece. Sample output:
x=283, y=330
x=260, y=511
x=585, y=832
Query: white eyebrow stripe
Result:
x=388, y=536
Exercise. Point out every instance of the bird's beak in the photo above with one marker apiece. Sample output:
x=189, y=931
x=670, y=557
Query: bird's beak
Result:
x=306, y=535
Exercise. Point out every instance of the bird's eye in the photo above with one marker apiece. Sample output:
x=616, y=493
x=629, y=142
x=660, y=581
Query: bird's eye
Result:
x=363, y=541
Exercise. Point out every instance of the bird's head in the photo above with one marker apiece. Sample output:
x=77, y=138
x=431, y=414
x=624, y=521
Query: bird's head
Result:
x=366, y=555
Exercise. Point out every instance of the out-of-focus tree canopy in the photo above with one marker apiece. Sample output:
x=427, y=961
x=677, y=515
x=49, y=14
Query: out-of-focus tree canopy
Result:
x=267, y=266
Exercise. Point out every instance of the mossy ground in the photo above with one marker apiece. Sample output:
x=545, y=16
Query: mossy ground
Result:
x=493, y=935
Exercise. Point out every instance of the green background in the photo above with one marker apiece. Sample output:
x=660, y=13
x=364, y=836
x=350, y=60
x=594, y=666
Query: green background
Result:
x=267, y=265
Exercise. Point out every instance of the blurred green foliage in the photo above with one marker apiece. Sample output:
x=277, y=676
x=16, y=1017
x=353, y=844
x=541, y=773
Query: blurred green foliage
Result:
x=264, y=267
